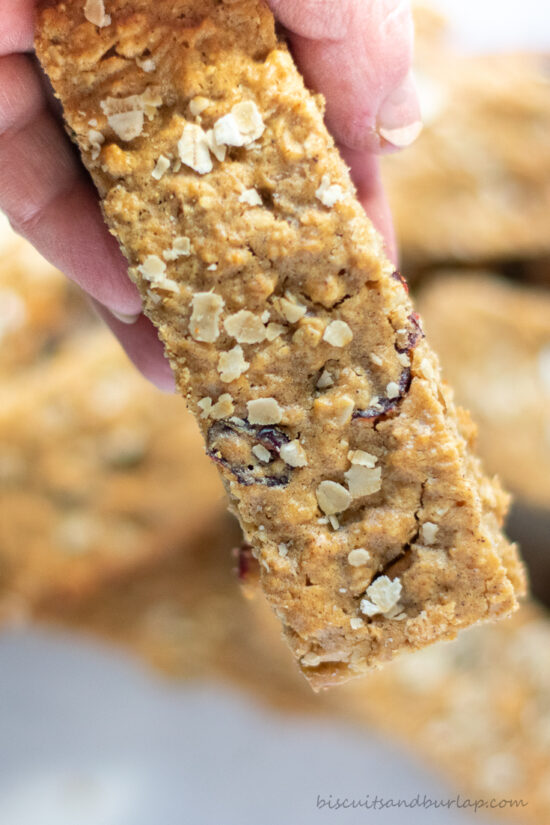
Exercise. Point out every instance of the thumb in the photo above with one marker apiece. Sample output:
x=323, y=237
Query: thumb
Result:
x=358, y=54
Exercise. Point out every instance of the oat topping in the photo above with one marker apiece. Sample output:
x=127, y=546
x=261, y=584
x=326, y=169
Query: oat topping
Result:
x=126, y=115
x=96, y=140
x=363, y=458
x=231, y=365
x=383, y=595
x=147, y=65
x=219, y=150
x=162, y=166
x=311, y=660
x=223, y=408
x=283, y=549
x=356, y=623
x=198, y=105
x=241, y=127
x=245, y=327
x=332, y=498
x=363, y=481
x=293, y=454
x=291, y=309
x=181, y=248
x=204, y=323
x=251, y=197
x=273, y=331
x=338, y=334
x=264, y=411
x=392, y=390
x=329, y=194
x=153, y=270
x=94, y=12
x=261, y=453
x=359, y=557
x=193, y=149
x=428, y=532
x=427, y=369
x=325, y=381
x=376, y=360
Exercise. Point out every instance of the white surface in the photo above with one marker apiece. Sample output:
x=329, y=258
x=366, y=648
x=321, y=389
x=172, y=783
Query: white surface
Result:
x=498, y=25
x=89, y=738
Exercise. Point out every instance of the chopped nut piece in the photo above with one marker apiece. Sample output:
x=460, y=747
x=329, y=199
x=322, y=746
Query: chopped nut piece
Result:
x=162, y=166
x=325, y=380
x=194, y=150
x=283, y=549
x=291, y=309
x=264, y=411
x=338, y=334
x=329, y=194
x=363, y=458
x=204, y=324
x=181, y=248
x=261, y=453
x=245, y=327
x=363, y=481
x=332, y=497
x=383, y=595
x=356, y=623
x=376, y=360
x=273, y=331
x=198, y=105
x=251, y=197
x=359, y=557
x=392, y=390
x=428, y=532
x=293, y=454
x=231, y=365
x=334, y=523
x=94, y=12
x=311, y=660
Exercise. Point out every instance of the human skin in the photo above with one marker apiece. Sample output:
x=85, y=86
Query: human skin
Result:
x=357, y=53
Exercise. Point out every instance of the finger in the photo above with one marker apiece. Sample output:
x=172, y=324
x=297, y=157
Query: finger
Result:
x=47, y=196
x=365, y=171
x=17, y=29
x=361, y=64
x=143, y=347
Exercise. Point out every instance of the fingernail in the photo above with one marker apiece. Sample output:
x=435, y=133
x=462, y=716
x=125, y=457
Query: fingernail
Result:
x=399, y=121
x=125, y=319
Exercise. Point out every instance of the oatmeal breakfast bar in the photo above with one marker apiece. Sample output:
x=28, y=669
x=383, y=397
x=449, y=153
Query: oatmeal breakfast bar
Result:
x=493, y=338
x=289, y=331
x=100, y=476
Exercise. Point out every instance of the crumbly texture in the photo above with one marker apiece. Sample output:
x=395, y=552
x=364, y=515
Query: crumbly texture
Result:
x=39, y=307
x=285, y=325
x=479, y=174
x=493, y=338
x=99, y=476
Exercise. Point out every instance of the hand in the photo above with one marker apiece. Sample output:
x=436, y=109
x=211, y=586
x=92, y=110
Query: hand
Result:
x=356, y=52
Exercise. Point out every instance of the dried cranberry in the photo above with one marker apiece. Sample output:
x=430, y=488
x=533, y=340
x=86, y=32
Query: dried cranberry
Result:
x=397, y=276
x=239, y=433
x=385, y=404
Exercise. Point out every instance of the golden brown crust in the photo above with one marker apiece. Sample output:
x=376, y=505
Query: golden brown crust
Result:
x=292, y=338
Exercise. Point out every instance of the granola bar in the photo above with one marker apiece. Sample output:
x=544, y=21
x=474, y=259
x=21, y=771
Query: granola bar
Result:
x=288, y=330
x=99, y=476
x=493, y=337
x=479, y=174
x=39, y=307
